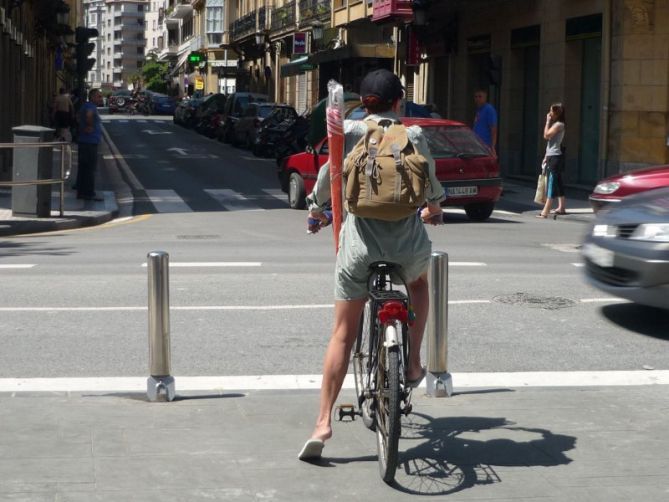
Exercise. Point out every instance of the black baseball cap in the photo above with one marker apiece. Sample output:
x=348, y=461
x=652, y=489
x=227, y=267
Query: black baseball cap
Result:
x=383, y=84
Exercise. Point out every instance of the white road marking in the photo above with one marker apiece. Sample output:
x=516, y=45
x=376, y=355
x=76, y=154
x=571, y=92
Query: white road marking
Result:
x=277, y=193
x=214, y=264
x=18, y=265
x=578, y=265
x=167, y=201
x=248, y=307
x=232, y=200
x=302, y=382
x=467, y=264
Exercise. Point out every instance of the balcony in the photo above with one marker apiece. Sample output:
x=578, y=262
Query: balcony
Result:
x=283, y=18
x=314, y=10
x=392, y=10
x=179, y=9
x=245, y=25
x=169, y=52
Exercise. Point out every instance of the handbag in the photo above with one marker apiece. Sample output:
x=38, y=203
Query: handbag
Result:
x=540, y=195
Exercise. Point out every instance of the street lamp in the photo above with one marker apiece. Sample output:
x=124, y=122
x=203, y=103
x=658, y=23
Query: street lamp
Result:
x=260, y=39
x=317, y=30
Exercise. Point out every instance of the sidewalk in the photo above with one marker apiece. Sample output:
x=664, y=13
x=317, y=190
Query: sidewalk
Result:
x=594, y=444
x=76, y=213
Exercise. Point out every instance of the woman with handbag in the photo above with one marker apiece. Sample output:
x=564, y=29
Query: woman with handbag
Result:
x=554, y=159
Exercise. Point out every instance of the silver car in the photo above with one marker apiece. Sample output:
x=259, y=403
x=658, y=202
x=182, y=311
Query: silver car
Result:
x=626, y=251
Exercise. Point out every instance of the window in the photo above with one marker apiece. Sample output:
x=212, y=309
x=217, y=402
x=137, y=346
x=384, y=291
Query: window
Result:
x=108, y=51
x=214, y=16
x=93, y=20
x=154, y=24
x=140, y=50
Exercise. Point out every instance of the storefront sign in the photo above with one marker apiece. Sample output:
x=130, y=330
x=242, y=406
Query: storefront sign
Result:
x=199, y=83
x=300, y=43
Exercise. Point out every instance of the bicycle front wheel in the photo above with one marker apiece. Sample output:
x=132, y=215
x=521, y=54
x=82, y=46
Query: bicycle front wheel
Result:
x=388, y=411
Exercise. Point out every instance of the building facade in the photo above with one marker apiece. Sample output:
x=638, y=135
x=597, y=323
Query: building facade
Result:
x=607, y=61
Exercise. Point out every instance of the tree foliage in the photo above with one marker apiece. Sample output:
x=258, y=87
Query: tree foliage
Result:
x=154, y=74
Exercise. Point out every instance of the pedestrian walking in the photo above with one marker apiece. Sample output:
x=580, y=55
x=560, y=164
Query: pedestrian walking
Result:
x=485, y=121
x=553, y=162
x=90, y=135
x=63, y=115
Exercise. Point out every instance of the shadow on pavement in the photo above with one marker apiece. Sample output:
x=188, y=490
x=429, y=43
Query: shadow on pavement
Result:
x=457, y=453
x=141, y=396
x=640, y=319
x=33, y=248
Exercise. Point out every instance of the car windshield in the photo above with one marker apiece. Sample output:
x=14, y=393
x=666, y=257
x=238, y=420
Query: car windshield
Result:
x=265, y=111
x=449, y=142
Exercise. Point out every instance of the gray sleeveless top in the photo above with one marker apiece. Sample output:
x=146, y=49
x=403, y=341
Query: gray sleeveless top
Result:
x=554, y=144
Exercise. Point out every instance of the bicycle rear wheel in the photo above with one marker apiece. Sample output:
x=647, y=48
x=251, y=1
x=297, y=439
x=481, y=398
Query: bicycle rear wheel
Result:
x=362, y=366
x=388, y=411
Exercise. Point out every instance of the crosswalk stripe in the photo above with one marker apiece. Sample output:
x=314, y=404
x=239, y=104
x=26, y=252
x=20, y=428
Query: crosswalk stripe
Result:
x=276, y=193
x=213, y=264
x=167, y=201
x=232, y=200
x=17, y=265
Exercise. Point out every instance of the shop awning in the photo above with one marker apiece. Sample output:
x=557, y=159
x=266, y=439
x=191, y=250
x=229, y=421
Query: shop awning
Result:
x=179, y=64
x=297, y=66
x=354, y=51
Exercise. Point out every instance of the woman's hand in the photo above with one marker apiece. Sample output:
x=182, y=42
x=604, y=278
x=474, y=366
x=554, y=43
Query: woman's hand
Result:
x=549, y=116
x=432, y=214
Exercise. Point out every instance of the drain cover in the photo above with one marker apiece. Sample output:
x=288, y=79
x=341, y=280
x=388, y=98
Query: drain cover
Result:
x=534, y=301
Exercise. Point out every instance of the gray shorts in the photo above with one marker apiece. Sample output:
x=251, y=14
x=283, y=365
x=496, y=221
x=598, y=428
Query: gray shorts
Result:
x=363, y=241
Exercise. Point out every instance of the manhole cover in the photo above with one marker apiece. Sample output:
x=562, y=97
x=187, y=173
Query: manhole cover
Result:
x=534, y=301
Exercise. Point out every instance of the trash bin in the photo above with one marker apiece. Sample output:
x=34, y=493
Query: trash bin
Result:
x=32, y=164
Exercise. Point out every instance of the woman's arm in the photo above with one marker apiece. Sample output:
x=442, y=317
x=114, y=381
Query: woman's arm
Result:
x=552, y=130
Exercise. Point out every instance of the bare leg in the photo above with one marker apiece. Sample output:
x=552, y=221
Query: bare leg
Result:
x=560, y=208
x=547, y=207
x=420, y=301
x=335, y=365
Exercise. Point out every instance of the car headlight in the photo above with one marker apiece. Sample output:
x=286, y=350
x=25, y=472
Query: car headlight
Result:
x=654, y=232
x=607, y=188
x=604, y=231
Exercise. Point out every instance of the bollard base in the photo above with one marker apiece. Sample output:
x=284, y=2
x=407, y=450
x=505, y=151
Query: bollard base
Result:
x=160, y=385
x=439, y=384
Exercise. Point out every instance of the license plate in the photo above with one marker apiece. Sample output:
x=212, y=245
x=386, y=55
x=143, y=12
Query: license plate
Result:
x=598, y=255
x=462, y=191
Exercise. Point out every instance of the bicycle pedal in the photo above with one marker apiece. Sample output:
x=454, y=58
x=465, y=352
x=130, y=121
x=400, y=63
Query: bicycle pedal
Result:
x=407, y=409
x=346, y=410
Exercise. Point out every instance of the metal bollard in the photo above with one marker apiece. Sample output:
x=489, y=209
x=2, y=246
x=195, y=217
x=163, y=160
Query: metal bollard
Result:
x=439, y=382
x=160, y=381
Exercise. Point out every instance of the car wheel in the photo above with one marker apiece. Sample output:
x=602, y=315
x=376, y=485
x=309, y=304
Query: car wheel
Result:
x=120, y=102
x=296, y=192
x=480, y=211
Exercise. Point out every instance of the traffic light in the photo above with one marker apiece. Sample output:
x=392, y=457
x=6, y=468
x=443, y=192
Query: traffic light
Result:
x=83, y=49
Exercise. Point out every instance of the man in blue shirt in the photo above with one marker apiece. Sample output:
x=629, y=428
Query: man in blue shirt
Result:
x=90, y=134
x=485, y=122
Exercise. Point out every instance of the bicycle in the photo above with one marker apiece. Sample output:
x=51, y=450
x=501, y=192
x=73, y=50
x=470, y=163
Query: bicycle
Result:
x=380, y=357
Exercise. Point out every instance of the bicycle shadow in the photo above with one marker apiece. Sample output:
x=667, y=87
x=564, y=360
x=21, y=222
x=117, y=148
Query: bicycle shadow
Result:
x=459, y=452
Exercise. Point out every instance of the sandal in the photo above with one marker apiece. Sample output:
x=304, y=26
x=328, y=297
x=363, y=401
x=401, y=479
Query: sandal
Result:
x=558, y=212
x=541, y=216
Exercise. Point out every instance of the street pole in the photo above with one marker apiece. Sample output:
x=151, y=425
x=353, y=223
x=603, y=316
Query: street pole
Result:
x=439, y=382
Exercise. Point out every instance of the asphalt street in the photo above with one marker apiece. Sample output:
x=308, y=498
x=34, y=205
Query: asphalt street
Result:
x=251, y=292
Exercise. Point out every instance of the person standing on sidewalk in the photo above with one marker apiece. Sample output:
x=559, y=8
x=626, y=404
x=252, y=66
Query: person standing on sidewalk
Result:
x=90, y=135
x=485, y=121
x=63, y=114
x=554, y=159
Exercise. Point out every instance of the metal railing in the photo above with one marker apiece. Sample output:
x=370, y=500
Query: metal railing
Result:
x=64, y=174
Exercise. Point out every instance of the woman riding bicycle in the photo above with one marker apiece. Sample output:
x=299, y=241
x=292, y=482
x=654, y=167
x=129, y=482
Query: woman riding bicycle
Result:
x=363, y=241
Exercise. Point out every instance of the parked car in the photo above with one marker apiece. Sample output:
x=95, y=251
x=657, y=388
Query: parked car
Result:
x=272, y=128
x=207, y=115
x=612, y=190
x=234, y=109
x=626, y=252
x=184, y=113
x=161, y=104
x=247, y=127
x=464, y=166
x=119, y=100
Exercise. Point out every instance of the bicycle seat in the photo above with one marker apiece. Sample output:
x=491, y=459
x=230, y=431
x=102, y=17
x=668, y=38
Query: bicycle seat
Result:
x=384, y=266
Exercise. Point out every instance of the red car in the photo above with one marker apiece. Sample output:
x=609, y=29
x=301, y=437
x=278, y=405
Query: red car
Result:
x=613, y=189
x=464, y=166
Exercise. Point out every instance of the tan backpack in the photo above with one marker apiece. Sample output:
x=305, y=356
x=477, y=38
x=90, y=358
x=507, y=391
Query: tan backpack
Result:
x=384, y=177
